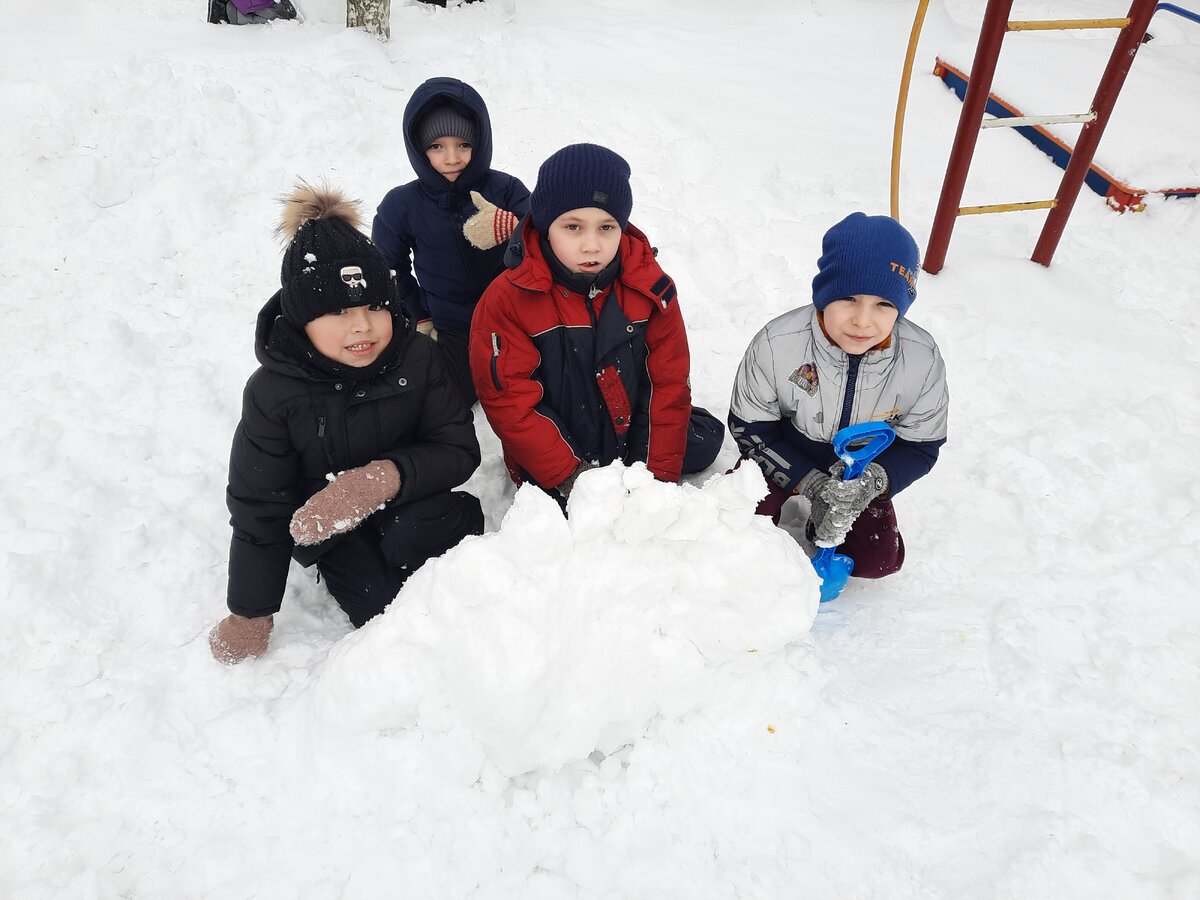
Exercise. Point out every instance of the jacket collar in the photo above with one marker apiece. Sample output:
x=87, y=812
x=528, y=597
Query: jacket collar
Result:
x=284, y=348
x=529, y=269
x=579, y=282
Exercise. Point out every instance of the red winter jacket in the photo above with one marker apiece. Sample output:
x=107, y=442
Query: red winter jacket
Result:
x=561, y=383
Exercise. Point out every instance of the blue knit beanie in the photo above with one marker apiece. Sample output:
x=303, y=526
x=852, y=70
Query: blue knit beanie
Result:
x=580, y=176
x=867, y=255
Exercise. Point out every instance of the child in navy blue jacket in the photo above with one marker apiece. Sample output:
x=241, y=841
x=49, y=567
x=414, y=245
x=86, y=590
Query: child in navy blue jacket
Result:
x=451, y=224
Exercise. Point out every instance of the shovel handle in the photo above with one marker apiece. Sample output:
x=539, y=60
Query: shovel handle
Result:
x=869, y=439
x=856, y=446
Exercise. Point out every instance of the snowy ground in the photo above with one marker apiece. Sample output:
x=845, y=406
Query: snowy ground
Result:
x=644, y=702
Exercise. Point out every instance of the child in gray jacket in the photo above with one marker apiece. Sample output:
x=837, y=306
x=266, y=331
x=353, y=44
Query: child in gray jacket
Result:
x=851, y=356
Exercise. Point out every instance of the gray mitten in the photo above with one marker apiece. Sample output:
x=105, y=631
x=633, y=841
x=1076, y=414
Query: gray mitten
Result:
x=848, y=499
x=490, y=226
x=345, y=502
x=813, y=487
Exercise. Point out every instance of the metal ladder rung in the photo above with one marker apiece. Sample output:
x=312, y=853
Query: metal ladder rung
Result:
x=1019, y=121
x=1066, y=24
x=997, y=22
x=1006, y=207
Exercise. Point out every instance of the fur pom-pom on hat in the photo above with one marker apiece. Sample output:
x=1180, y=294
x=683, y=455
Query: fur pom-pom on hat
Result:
x=307, y=202
x=328, y=264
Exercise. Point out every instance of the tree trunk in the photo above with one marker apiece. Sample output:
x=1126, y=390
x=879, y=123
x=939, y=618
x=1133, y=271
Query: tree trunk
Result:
x=374, y=16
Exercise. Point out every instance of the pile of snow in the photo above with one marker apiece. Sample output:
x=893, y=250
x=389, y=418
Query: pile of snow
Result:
x=554, y=638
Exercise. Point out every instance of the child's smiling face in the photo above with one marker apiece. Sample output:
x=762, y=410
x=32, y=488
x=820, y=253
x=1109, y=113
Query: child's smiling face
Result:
x=858, y=323
x=352, y=337
x=449, y=155
x=585, y=240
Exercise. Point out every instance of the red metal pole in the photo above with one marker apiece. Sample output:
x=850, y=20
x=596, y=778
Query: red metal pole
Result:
x=983, y=70
x=1119, y=64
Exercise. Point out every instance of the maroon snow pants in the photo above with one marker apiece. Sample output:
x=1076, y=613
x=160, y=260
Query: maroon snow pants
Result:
x=874, y=543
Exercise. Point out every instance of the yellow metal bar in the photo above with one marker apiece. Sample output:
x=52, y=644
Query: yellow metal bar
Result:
x=1006, y=207
x=902, y=102
x=1066, y=24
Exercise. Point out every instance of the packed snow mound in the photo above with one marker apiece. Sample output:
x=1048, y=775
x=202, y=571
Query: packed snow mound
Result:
x=585, y=628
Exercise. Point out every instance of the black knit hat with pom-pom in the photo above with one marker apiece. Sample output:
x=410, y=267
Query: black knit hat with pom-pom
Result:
x=328, y=264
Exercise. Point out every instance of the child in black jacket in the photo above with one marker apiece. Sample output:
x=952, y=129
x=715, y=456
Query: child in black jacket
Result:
x=352, y=436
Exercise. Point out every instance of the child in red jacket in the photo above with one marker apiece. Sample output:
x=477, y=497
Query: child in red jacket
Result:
x=578, y=349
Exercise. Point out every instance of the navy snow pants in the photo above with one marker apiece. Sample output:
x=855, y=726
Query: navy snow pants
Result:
x=874, y=542
x=367, y=567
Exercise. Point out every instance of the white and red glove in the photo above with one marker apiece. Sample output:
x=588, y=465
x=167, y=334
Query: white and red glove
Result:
x=345, y=502
x=490, y=226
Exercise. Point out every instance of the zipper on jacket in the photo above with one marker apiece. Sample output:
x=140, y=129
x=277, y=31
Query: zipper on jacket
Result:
x=848, y=400
x=325, y=448
x=495, y=360
x=460, y=240
x=591, y=311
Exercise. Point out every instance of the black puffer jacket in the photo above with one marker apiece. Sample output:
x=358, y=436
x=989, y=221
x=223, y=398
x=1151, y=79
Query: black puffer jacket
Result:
x=302, y=421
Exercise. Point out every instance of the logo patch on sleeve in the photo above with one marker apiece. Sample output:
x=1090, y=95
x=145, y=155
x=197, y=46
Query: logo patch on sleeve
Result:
x=806, y=379
x=664, y=289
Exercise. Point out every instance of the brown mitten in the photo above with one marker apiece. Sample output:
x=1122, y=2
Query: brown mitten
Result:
x=236, y=637
x=345, y=502
x=425, y=326
x=490, y=226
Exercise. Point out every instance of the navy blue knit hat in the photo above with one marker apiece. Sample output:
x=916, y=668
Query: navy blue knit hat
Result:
x=445, y=120
x=581, y=176
x=867, y=255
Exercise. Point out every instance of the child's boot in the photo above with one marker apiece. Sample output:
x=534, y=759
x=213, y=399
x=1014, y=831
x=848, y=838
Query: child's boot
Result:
x=216, y=12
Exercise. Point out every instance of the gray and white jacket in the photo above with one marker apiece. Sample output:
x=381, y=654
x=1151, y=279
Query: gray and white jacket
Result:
x=795, y=389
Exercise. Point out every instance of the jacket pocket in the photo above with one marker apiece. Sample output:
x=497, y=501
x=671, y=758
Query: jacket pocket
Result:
x=495, y=362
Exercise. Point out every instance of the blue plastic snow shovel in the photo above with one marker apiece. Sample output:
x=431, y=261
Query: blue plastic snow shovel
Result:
x=869, y=440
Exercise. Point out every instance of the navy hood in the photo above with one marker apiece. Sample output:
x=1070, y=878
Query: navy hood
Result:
x=436, y=91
